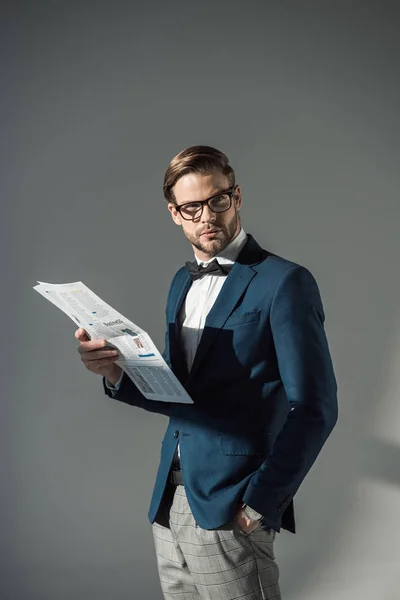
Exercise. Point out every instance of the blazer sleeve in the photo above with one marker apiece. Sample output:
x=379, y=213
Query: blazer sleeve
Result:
x=128, y=393
x=306, y=370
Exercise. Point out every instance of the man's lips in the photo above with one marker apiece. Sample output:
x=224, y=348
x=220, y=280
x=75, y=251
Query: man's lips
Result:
x=210, y=232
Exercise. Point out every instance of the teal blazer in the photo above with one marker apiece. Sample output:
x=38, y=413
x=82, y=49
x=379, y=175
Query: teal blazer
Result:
x=264, y=392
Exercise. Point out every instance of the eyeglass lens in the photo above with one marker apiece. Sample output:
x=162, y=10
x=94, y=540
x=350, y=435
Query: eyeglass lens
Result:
x=217, y=204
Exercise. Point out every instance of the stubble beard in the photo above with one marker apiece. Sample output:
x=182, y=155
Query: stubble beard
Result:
x=225, y=236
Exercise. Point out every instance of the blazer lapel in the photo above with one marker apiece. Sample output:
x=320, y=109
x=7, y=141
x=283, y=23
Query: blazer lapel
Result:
x=178, y=294
x=234, y=287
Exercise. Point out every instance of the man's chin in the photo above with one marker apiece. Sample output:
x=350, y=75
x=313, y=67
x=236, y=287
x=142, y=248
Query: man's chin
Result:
x=210, y=246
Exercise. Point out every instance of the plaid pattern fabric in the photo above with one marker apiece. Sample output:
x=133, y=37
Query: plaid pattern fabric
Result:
x=218, y=564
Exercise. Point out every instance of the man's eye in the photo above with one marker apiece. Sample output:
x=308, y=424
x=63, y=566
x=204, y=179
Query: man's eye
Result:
x=192, y=207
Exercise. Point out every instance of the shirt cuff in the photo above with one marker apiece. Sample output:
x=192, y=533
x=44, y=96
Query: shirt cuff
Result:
x=252, y=514
x=114, y=388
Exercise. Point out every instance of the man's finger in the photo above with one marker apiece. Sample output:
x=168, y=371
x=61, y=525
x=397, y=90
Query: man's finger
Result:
x=91, y=345
x=98, y=364
x=81, y=335
x=99, y=355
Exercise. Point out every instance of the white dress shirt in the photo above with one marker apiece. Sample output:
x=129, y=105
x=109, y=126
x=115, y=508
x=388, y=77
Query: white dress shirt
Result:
x=201, y=297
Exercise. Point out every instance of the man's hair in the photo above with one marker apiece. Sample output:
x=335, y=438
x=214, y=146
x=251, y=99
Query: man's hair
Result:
x=196, y=159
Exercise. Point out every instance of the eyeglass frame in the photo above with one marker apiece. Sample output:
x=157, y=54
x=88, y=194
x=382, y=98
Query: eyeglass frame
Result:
x=229, y=192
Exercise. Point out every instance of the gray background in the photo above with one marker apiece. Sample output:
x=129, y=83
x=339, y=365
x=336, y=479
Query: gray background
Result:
x=96, y=99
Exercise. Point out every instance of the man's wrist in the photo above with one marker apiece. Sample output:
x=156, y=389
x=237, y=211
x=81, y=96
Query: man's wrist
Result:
x=114, y=383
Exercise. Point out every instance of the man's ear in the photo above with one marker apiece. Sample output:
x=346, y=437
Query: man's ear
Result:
x=238, y=197
x=176, y=217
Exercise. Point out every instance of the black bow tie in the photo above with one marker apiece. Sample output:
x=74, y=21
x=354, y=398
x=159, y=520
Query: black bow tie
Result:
x=213, y=268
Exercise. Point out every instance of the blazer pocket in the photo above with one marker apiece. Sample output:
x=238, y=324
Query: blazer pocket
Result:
x=233, y=446
x=243, y=318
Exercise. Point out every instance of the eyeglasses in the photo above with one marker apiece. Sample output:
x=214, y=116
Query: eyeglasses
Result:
x=218, y=203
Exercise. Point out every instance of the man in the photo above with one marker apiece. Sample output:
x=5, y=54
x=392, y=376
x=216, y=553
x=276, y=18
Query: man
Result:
x=245, y=336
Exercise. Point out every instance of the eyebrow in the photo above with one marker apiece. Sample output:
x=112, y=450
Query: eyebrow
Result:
x=209, y=197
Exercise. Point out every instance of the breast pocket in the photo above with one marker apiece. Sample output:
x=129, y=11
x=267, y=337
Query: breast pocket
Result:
x=245, y=318
x=242, y=331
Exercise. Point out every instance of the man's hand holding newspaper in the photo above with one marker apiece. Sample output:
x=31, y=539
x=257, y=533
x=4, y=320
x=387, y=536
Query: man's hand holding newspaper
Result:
x=97, y=356
x=110, y=343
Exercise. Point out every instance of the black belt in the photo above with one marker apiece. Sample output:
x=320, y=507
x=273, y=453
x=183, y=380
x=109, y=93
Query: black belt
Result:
x=175, y=477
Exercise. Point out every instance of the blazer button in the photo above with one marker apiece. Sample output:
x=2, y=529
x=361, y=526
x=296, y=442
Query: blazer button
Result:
x=176, y=434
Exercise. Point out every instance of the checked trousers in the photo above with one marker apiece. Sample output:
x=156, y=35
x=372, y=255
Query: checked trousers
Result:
x=219, y=564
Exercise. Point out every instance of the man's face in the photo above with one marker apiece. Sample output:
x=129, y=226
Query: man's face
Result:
x=210, y=233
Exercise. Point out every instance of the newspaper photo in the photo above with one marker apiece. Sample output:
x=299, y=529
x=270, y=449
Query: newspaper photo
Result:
x=139, y=357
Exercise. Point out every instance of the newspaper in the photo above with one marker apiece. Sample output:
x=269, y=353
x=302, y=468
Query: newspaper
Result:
x=140, y=359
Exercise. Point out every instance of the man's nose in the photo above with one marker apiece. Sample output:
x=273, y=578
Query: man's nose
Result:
x=207, y=214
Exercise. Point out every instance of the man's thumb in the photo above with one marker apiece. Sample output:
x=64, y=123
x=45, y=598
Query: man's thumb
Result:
x=81, y=335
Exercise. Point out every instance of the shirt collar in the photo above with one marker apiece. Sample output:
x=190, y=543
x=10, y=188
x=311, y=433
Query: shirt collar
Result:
x=231, y=252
